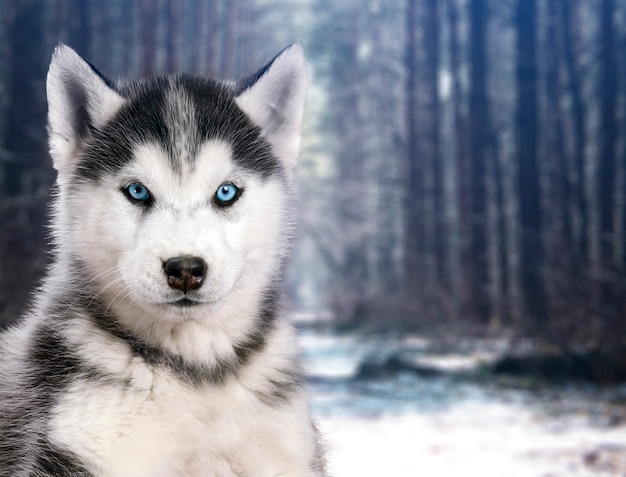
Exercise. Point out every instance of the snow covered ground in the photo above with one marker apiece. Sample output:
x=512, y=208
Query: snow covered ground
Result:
x=408, y=425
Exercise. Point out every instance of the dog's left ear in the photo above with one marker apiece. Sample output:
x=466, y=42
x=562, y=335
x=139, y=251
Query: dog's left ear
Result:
x=80, y=100
x=274, y=99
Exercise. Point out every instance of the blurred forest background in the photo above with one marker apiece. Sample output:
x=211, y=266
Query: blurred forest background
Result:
x=464, y=160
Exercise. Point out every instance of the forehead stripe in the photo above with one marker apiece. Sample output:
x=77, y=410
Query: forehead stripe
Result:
x=179, y=113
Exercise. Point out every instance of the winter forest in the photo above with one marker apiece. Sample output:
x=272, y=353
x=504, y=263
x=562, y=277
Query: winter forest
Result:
x=463, y=163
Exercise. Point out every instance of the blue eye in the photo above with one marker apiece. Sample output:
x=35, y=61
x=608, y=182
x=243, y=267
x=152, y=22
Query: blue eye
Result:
x=227, y=193
x=138, y=192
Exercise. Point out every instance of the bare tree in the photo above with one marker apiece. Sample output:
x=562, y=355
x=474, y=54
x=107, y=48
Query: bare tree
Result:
x=148, y=37
x=526, y=146
x=478, y=138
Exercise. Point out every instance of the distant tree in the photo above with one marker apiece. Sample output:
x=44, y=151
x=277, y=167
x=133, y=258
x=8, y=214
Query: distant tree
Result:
x=80, y=26
x=415, y=212
x=198, y=36
x=438, y=229
x=383, y=92
x=557, y=201
x=559, y=187
x=5, y=15
x=24, y=167
x=459, y=229
x=24, y=131
x=621, y=223
x=231, y=30
x=127, y=17
x=148, y=28
x=174, y=43
x=607, y=92
x=570, y=28
x=478, y=139
x=246, y=61
x=609, y=286
x=215, y=50
x=528, y=172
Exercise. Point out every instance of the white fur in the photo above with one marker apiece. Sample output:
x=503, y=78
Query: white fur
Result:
x=158, y=427
x=242, y=248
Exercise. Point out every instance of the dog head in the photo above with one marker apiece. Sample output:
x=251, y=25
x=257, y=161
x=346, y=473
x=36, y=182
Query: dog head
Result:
x=174, y=192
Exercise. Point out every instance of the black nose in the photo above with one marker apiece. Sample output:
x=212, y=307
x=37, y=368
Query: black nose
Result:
x=185, y=273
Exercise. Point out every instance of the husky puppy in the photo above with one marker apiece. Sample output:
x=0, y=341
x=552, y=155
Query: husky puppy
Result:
x=157, y=345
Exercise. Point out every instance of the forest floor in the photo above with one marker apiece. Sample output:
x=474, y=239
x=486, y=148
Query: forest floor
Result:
x=443, y=415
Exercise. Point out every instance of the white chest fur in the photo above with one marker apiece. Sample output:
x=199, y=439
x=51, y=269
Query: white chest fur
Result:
x=161, y=427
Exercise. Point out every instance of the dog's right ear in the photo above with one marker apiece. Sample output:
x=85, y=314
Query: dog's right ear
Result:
x=274, y=99
x=80, y=100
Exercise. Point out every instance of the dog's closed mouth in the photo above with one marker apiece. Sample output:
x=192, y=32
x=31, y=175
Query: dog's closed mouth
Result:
x=184, y=302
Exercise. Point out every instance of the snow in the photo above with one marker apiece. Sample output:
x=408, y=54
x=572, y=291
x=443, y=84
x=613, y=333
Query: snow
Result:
x=485, y=439
x=445, y=426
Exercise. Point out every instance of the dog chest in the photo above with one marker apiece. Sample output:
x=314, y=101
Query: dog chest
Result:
x=165, y=428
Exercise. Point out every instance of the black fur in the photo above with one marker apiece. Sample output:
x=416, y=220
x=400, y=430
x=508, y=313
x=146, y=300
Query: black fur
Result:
x=281, y=390
x=52, y=461
x=191, y=373
x=143, y=119
x=77, y=96
x=52, y=365
x=110, y=148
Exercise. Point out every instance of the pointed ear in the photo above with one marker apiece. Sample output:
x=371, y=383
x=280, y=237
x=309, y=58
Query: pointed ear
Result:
x=80, y=100
x=274, y=99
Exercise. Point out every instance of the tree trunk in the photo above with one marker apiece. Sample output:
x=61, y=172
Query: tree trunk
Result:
x=148, y=37
x=214, y=47
x=25, y=118
x=478, y=140
x=414, y=172
x=570, y=27
x=562, y=187
x=198, y=46
x=607, y=92
x=246, y=58
x=607, y=170
x=438, y=240
x=459, y=229
x=79, y=21
x=129, y=44
x=174, y=43
x=528, y=187
x=230, y=45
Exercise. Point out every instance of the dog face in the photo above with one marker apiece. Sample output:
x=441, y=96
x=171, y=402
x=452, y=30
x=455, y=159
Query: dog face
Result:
x=176, y=191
